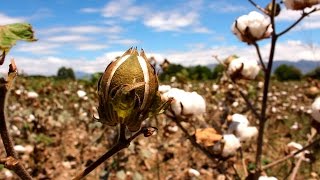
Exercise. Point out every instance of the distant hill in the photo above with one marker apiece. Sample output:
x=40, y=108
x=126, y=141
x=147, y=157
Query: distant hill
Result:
x=304, y=65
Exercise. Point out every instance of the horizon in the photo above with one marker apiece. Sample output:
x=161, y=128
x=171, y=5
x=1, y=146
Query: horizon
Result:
x=87, y=36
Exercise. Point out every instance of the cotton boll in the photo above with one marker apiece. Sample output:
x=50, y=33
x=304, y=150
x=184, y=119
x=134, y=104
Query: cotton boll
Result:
x=246, y=133
x=230, y=146
x=164, y=88
x=192, y=103
x=32, y=95
x=299, y=4
x=81, y=94
x=249, y=68
x=267, y=178
x=240, y=118
x=315, y=107
x=294, y=147
x=252, y=27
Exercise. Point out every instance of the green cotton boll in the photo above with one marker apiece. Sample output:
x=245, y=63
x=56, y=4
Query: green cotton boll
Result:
x=128, y=91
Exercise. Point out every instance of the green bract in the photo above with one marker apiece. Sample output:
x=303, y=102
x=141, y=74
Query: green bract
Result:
x=128, y=91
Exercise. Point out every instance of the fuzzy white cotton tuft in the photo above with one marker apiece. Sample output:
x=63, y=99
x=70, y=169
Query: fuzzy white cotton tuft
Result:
x=300, y=4
x=240, y=127
x=32, y=95
x=250, y=68
x=252, y=27
x=230, y=146
x=267, y=178
x=164, y=88
x=315, y=107
x=192, y=102
x=294, y=147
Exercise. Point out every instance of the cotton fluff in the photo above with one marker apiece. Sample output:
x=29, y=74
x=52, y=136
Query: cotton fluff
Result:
x=252, y=27
x=294, y=147
x=164, y=88
x=250, y=68
x=240, y=127
x=32, y=95
x=192, y=102
x=315, y=107
x=231, y=145
x=299, y=4
x=267, y=178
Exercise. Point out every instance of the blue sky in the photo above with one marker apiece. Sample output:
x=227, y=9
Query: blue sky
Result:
x=87, y=35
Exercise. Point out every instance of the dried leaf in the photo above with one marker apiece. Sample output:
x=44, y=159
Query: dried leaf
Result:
x=10, y=33
x=207, y=136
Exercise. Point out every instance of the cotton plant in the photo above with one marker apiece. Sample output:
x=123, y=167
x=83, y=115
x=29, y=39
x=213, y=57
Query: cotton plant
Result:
x=294, y=147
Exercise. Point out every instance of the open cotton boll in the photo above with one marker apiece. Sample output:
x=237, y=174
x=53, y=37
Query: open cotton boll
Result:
x=252, y=27
x=250, y=68
x=246, y=133
x=192, y=102
x=315, y=107
x=294, y=147
x=164, y=88
x=267, y=178
x=230, y=146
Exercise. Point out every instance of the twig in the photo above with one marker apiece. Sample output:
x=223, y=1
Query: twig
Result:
x=2, y=57
x=5, y=135
x=290, y=155
x=297, y=167
x=304, y=14
x=256, y=45
x=243, y=163
x=246, y=99
x=193, y=141
x=122, y=143
x=258, y=7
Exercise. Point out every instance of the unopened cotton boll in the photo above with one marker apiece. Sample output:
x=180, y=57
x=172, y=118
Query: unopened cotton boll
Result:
x=252, y=27
x=315, y=107
x=249, y=69
x=300, y=4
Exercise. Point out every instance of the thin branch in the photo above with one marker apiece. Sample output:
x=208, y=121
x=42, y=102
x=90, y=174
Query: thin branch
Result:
x=2, y=57
x=5, y=135
x=263, y=117
x=290, y=155
x=304, y=14
x=121, y=144
x=256, y=45
x=193, y=141
x=258, y=7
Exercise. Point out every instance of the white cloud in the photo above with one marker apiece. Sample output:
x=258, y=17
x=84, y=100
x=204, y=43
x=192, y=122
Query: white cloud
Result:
x=68, y=38
x=38, y=47
x=89, y=10
x=123, y=9
x=292, y=50
x=172, y=21
x=91, y=47
x=4, y=19
x=83, y=29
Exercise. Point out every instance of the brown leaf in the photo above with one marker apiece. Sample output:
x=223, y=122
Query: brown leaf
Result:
x=207, y=136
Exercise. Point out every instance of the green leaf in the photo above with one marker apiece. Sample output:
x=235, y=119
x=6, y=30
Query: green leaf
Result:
x=10, y=33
